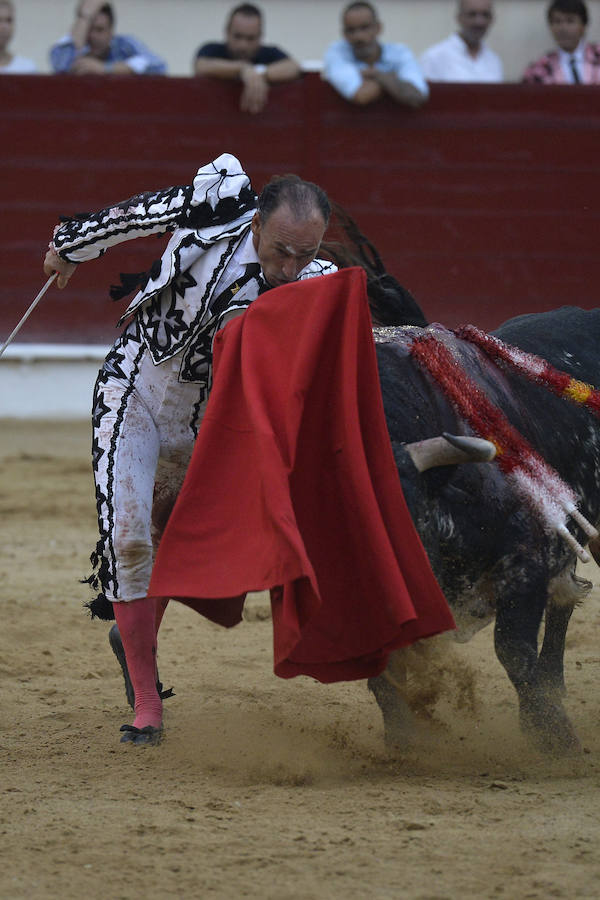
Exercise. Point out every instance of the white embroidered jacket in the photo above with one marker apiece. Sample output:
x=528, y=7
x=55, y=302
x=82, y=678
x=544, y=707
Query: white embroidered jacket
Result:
x=177, y=306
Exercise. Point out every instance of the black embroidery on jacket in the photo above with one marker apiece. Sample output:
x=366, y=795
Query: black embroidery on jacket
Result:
x=157, y=211
x=131, y=281
x=103, y=558
x=226, y=210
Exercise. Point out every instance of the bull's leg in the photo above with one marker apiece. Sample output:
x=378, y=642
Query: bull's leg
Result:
x=541, y=712
x=551, y=658
x=398, y=722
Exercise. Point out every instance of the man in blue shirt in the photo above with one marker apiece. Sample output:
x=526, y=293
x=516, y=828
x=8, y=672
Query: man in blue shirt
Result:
x=92, y=47
x=363, y=69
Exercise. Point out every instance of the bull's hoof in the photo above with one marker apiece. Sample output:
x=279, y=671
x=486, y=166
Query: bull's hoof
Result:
x=553, y=685
x=148, y=736
x=554, y=743
x=398, y=721
x=549, y=728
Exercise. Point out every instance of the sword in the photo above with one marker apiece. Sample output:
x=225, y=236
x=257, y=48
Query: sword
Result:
x=28, y=313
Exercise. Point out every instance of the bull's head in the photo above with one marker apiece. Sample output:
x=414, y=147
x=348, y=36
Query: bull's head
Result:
x=451, y=450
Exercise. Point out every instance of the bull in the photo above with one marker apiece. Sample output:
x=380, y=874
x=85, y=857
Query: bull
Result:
x=491, y=554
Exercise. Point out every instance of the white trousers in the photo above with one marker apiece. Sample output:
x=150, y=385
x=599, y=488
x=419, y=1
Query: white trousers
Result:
x=145, y=422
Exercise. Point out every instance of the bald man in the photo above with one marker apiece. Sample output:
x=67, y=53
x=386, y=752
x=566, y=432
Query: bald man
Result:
x=465, y=56
x=227, y=245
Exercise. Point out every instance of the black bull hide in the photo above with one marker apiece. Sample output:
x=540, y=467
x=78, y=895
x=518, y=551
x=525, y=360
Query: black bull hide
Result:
x=488, y=549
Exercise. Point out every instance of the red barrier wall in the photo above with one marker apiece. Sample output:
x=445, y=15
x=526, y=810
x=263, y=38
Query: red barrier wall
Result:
x=484, y=203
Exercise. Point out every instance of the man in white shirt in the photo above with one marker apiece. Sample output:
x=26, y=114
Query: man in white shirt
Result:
x=362, y=69
x=10, y=63
x=464, y=56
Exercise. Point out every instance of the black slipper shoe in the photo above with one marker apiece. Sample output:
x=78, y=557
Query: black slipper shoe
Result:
x=149, y=735
x=116, y=645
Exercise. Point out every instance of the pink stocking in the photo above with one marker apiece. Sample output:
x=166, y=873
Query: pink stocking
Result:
x=136, y=621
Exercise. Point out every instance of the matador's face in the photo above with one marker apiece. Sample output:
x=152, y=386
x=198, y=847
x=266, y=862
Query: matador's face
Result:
x=286, y=244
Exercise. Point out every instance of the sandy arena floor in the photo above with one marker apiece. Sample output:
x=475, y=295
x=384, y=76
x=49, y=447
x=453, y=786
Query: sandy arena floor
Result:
x=263, y=788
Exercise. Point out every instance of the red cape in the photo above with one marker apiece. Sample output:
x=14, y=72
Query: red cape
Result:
x=293, y=487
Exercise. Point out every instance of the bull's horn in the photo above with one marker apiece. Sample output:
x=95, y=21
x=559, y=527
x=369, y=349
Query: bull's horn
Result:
x=594, y=548
x=478, y=449
x=450, y=450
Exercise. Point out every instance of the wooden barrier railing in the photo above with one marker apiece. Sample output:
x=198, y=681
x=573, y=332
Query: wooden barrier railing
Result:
x=484, y=202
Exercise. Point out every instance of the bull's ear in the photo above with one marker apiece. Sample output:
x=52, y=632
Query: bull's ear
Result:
x=449, y=450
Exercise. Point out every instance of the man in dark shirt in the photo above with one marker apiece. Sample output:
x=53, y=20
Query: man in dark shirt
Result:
x=242, y=57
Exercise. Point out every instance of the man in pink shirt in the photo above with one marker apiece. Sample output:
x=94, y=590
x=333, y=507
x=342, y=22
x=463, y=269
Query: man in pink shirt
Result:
x=574, y=61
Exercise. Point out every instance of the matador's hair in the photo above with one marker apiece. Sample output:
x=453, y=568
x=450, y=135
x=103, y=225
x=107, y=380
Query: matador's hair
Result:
x=302, y=197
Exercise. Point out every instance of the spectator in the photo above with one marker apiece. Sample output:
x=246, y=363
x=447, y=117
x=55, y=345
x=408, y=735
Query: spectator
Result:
x=464, y=56
x=362, y=69
x=92, y=47
x=574, y=61
x=9, y=63
x=242, y=57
